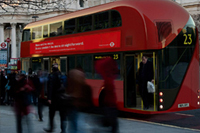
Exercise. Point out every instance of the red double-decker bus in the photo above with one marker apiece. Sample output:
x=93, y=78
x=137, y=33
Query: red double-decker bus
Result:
x=125, y=31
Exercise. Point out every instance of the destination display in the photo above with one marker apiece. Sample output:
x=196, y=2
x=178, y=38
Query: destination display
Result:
x=113, y=56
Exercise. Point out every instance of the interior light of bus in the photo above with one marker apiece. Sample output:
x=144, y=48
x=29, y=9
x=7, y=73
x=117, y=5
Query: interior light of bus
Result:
x=198, y=97
x=161, y=100
x=161, y=106
x=198, y=103
x=161, y=93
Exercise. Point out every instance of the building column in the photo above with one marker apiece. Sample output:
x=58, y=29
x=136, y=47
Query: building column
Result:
x=13, y=41
x=1, y=32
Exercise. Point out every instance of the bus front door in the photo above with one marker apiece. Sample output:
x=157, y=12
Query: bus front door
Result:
x=130, y=82
x=132, y=95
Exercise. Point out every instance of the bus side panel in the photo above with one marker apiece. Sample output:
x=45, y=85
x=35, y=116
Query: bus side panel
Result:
x=25, y=49
x=133, y=29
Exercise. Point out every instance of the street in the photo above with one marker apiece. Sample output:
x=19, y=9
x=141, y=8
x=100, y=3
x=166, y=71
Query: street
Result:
x=89, y=124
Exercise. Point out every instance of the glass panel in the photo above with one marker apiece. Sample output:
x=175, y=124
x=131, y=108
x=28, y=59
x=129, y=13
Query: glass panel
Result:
x=71, y=62
x=26, y=35
x=36, y=64
x=85, y=62
x=115, y=19
x=85, y=23
x=37, y=32
x=101, y=20
x=63, y=66
x=46, y=65
x=175, y=58
x=45, y=31
x=70, y=26
x=116, y=57
x=56, y=29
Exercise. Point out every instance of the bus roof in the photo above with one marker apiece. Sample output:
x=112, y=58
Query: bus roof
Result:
x=140, y=5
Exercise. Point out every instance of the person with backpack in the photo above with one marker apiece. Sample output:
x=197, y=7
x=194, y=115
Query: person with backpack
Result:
x=55, y=91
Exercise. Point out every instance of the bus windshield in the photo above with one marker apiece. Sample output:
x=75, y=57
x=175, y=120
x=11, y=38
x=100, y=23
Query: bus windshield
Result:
x=175, y=58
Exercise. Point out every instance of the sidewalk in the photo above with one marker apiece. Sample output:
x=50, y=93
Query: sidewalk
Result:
x=87, y=124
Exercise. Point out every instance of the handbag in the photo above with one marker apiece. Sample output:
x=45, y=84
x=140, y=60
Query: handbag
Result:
x=150, y=87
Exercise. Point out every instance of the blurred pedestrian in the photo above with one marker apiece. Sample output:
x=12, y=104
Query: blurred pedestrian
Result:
x=2, y=87
x=7, y=91
x=55, y=91
x=23, y=102
x=82, y=97
x=107, y=68
x=42, y=98
x=35, y=83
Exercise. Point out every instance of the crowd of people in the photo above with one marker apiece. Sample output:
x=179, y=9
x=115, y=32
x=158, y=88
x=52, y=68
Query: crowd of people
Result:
x=68, y=94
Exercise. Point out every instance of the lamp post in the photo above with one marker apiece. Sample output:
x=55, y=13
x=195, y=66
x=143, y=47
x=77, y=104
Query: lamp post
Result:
x=35, y=17
x=8, y=46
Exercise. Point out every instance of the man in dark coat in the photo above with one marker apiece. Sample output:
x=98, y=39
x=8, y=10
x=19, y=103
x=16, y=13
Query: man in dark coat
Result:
x=145, y=74
x=54, y=85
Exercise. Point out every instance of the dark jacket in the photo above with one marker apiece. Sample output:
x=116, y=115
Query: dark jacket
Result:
x=54, y=85
x=145, y=72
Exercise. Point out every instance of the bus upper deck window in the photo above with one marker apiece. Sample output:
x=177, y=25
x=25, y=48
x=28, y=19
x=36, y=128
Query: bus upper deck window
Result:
x=45, y=31
x=56, y=29
x=115, y=19
x=85, y=23
x=37, y=32
x=70, y=26
x=101, y=20
x=26, y=35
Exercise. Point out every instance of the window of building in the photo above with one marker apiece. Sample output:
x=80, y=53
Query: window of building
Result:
x=115, y=19
x=70, y=26
x=85, y=23
x=26, y=35
x=56, y=29
x=45, y=31
x=101, y=20
x=81, y=3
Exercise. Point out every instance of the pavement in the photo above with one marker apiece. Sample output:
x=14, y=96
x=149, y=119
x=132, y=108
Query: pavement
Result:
x=87, y=123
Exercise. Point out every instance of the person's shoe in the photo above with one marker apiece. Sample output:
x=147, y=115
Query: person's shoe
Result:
x=48, y=130
x=40, y=120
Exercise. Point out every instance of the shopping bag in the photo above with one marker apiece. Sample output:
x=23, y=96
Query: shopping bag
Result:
x=150, y=87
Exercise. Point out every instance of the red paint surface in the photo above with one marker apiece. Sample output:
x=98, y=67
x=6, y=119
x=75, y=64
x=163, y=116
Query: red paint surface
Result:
x=108, y=40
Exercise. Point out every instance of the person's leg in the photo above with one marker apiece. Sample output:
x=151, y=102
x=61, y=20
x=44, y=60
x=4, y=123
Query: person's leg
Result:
x=63, y=121
x=29, y=122
x=52, y=111
x=73, y=116
x=111, y=118
x=51, y=117
x=145, y=99
x=40, y=107
x=19, y=123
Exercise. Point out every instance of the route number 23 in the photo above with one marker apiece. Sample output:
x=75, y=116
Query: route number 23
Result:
x=188, y=39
